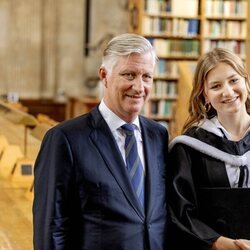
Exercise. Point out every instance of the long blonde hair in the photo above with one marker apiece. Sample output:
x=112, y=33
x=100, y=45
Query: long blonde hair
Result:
x=197, y=104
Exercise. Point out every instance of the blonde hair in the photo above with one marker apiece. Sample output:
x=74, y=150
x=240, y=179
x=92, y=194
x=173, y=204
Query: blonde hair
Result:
x=197, y=110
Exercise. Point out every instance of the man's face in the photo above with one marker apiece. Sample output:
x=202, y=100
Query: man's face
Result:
x=128, y=85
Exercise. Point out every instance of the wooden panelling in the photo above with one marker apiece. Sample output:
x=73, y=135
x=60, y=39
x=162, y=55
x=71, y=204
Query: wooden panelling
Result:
x=53, y=109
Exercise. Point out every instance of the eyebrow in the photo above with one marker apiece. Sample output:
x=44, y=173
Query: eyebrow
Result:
x=229, y=77
x=233, y=75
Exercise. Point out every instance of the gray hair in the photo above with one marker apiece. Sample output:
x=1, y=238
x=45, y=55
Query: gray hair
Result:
x=123, y=45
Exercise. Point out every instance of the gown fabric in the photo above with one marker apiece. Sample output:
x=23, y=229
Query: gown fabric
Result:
x=202, y=204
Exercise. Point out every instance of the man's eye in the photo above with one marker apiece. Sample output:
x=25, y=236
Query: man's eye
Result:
x=128, y=76
x=147, y=78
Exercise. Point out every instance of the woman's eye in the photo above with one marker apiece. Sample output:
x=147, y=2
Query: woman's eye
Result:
x=216, y=86
x=235, y=80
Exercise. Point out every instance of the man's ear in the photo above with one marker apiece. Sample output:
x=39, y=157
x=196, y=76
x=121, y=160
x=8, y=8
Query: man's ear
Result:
x=103, y=76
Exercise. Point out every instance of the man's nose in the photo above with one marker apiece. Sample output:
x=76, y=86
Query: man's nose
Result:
x=138, y=84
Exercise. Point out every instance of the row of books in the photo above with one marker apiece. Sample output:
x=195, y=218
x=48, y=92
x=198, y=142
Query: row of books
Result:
x=222, y=28
x=175, y=47
x=170, y=26
x=190, y=48
x=164, y=89
x=166, y=69
x=227, y=8
x=238, y=47
x=174, y=7
x=158, y=109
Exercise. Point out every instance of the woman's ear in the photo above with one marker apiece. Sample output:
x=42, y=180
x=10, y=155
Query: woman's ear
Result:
x=205, y=96
x=206, y=100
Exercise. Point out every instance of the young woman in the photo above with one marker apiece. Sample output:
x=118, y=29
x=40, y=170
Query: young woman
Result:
x=208, y=186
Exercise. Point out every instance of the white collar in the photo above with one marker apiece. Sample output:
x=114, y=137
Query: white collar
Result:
x=114, y=122
x=213, y=126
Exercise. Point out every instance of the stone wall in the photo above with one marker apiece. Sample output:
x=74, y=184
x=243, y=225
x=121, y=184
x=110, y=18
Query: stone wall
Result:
x=42, y=44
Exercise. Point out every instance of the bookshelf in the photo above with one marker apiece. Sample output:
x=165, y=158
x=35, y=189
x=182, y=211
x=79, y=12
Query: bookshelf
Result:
x=182, y=30
x=225, y=25
x=186, y=71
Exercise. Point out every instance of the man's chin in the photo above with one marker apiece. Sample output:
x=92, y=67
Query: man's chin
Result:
x=135, y=110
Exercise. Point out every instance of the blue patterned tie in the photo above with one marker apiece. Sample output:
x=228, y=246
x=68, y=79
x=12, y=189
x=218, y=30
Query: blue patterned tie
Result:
x=133, y=162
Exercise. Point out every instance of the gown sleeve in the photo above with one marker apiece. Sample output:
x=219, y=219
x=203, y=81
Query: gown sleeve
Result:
x=185, y=230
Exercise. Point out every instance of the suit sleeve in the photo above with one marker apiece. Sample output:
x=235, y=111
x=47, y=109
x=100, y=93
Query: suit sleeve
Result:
x=56, y=203
x=186, y=229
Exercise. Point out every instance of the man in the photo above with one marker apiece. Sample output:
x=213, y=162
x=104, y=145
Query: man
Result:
x=84, y=191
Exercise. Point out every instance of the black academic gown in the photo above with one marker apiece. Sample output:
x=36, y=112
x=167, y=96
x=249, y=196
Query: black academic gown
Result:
x=201, y=203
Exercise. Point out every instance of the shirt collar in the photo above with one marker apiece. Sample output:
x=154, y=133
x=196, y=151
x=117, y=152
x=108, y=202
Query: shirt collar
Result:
x=114, y=122
x=214, y=126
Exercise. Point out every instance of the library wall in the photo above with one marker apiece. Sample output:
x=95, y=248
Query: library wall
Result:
x=183, y=32
x=20, y=38
x=43, y=50
x=42, y=44
x=107, y=19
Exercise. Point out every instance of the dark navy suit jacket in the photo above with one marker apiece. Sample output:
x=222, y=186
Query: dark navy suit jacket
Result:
x=83, y=195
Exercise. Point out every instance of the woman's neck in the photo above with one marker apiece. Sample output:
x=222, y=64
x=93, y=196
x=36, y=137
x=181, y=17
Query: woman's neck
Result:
x=236, y=125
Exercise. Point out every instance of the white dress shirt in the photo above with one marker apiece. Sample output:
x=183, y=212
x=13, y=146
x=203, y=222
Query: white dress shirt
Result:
x=114, y=122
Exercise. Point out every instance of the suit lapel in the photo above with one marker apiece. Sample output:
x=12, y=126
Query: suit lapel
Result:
x=150, y=151
x=103, y=139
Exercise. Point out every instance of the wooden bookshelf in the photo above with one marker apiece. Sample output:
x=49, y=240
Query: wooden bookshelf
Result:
x=186, y=69
x=80, y=105
x=224, y=24
x=52, y=108
x=182, y=30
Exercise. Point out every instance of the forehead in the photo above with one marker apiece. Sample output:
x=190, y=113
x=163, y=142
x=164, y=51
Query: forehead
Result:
x=135, y=61
x=221, y=71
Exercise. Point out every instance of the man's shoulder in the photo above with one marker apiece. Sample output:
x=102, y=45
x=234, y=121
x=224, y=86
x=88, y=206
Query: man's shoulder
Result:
x=152, y=123
x=153, y=127
x=73, y=122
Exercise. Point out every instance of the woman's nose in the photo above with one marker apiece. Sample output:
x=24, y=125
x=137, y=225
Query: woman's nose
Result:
x=227, y=90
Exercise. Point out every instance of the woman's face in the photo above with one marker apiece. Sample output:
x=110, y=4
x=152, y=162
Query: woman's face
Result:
x=225, y=90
